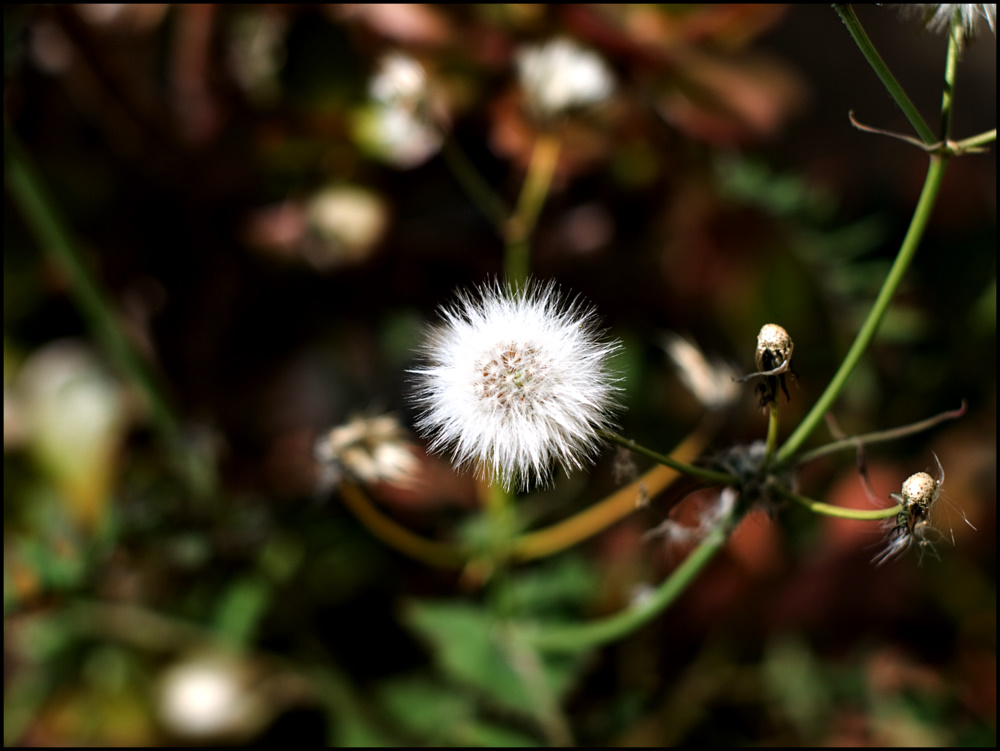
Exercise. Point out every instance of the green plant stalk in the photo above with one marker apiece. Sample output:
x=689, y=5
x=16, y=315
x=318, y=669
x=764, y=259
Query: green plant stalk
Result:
x=585, y=636
x=772, y=431
x=838, y=511
x=950, y=67
x=52, y=234
x=517, y=250
x=846, y=13
x=878, y=436
x=921, y=215
x=975, y=142
x=482, y=195
x=720, y=478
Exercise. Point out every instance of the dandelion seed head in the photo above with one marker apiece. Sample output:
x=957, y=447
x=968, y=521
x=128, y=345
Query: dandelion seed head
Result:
x=560, y=74
x=937, y=17
x=514, y=381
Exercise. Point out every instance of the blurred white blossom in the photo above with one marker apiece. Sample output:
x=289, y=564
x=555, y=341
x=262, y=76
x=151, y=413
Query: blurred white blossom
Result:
x=713, y=384
x=399, y=81
x=398, y=127
x=367, y=449
x=204, y=697
x=515, y=380
x=347, y=221
x=560, y=74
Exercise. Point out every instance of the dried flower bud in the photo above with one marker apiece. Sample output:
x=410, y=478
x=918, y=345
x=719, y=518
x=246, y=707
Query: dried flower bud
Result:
x=774, y=360
x=774, y=348
x=919, y=490
x=917, y=497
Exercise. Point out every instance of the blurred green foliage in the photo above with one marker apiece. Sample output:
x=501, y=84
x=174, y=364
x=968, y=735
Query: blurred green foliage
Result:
x=722, y=188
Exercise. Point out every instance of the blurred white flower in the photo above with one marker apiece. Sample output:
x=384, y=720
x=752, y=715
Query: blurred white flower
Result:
x=938, y=17
x=560, y=74
x=515, y=380
x=367, y=449
x=204, y=697
x=713, y=384
x=401, y=137
x=346, y=221
x=398, y=126
x=399, y=81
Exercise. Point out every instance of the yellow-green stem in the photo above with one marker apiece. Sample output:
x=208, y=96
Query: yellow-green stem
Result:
x=517, y=235
x=838, y=511
x=921, y=215
x=772, y=431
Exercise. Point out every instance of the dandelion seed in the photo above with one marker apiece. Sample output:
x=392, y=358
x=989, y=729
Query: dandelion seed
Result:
x=515, y=381
x=559, y=75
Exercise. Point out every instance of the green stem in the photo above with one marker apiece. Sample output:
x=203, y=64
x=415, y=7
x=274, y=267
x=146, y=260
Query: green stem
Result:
x=689, y=469
x=846, y=13
x=517, y=251
x=974, y=142
x=921, y=215
x=52, y=234
x=581, y=637
x=879, y=436
x=772, y=431
x=950, y=68
x=838, y=511
x=482, y=195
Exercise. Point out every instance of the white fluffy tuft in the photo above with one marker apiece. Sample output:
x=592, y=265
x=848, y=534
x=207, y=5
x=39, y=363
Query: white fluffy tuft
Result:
x=514, y=381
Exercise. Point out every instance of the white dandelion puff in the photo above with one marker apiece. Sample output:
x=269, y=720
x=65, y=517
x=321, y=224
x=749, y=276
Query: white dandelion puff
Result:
x=560, y=74
x=937, y=17
x=514, y=381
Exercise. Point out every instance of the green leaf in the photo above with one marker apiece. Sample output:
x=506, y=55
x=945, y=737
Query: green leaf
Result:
x=467, y=645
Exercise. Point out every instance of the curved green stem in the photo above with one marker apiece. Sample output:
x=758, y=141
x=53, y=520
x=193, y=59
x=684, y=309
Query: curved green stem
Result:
x=689, y=469
x=51, y=232
x=577, y=638
x=879, y=436
x=921, y=215
x=846, y=13
x=482, y=195
x=838, y=511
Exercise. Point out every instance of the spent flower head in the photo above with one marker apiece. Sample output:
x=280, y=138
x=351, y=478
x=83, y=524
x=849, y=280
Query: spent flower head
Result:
x=367, y=449
x=514, y=380
x=559, y=75
x=917, y=497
